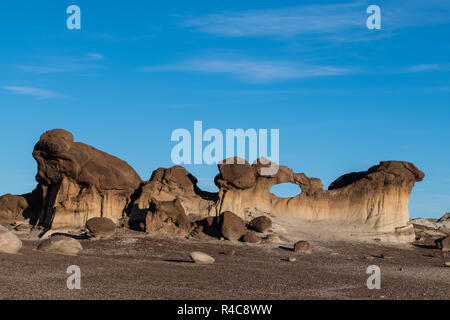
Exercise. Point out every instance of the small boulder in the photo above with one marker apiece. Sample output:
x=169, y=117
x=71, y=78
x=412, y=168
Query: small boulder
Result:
x=443, y=243
x=101, y=227
x=229, y=252
x=303, y=247
x=292, y=259
x=231, y=226
x=201, y=258
x=251, y=238
x=273, y=238
x=260, y=224
x=9, y=242
x=60, y=244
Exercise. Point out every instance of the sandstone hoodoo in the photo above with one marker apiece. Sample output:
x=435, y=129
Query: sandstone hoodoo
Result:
x=77, y=182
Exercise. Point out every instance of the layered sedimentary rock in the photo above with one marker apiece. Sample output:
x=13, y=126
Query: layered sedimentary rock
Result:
x=376, y=199
x=77, y=182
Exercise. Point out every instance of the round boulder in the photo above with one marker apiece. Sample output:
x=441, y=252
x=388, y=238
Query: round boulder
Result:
x=303, y=247
x=231, y=226
x=60, y=244
x=9, y=242
x=260, y=224
x=101, y=227
x=201, y=258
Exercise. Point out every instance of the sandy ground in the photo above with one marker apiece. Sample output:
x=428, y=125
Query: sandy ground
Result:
x=142, y=267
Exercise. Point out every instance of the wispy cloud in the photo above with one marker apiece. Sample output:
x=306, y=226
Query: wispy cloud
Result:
x=253, y=71
x=37, y=93
x=64, y=64
x=327, y=22
x=428, y=67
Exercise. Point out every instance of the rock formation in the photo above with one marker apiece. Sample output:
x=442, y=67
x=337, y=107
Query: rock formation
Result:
x=374, y=201
x=77, y=182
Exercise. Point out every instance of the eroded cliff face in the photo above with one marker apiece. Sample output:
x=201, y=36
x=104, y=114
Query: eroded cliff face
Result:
x=77, y=182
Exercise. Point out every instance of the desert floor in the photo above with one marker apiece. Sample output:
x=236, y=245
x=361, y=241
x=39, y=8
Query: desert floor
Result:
x=138, y=267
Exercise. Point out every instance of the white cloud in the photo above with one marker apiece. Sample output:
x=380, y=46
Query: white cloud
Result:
x=34, y=92
x=326, y=22
x=253, y=71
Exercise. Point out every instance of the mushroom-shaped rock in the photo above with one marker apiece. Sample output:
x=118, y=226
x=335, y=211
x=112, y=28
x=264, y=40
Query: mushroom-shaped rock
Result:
x=9, y=242
x=80, y=182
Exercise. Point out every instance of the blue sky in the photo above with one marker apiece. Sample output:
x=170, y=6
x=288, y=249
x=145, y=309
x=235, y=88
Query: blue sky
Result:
x=344, y=97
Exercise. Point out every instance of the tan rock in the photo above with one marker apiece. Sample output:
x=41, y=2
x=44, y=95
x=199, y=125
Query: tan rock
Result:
x=303, y=247
x=60, y=244
x=374, y=202
x=9, y=242
x=201, y=258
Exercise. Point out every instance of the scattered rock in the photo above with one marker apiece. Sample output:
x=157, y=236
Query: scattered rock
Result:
x=231, y=226
x=60, y=244
x=9, y=242
x=273, y=238
x=101, y=227
x=251, y=238
x=443, y=243
x=201, y=258
x=260, y=224
x=401, y=269
x=303, y=247
x=229, y=252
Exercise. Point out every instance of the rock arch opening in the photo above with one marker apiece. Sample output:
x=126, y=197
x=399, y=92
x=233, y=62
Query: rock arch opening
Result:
x=286, y=190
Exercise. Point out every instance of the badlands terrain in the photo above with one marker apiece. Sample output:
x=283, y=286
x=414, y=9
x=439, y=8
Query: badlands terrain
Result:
x=164, y=238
